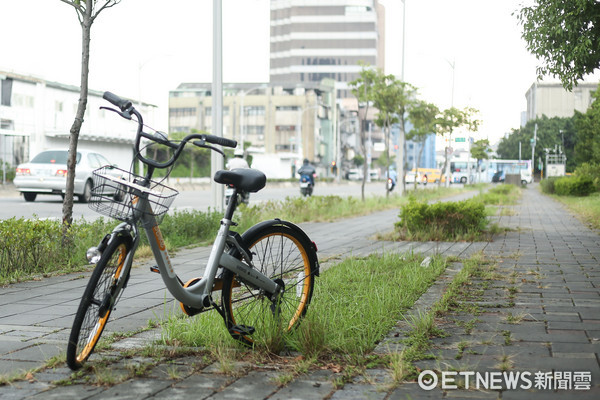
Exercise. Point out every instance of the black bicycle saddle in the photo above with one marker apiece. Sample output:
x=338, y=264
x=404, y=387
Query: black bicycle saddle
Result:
x=244, y=179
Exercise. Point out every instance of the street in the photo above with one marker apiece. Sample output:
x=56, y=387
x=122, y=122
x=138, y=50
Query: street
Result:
x=50, y=206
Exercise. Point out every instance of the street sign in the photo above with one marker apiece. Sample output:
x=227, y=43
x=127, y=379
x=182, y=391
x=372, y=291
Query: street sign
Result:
x=459, y=139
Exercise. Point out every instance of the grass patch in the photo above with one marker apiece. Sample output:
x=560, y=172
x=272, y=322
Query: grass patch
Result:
x=587, y=209
x=355, y=304
x=454, y=221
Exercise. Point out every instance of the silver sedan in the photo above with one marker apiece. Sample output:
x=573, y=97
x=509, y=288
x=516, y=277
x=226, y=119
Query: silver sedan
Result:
x=46, y=173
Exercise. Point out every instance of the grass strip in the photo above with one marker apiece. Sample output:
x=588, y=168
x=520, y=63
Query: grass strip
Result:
x=31, y=248
x=355, y=304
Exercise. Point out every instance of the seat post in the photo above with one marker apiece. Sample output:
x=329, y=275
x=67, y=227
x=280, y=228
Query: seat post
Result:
x=231, y=206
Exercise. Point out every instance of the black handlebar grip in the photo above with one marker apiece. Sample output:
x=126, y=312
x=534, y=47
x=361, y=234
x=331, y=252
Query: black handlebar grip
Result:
x=117, y=101
x=220, y=140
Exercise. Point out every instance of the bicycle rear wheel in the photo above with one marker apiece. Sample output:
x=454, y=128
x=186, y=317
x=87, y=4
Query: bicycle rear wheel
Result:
x=285, y=256
x=95, y=306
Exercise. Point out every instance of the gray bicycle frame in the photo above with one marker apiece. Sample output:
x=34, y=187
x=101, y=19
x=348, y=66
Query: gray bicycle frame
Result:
x=198, y=294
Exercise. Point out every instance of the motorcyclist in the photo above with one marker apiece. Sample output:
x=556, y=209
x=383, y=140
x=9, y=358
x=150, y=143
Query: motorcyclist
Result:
x=307, y=169
x=238, y=160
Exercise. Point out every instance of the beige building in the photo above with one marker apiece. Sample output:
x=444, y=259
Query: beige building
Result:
x=273, y=119
x=552, y=100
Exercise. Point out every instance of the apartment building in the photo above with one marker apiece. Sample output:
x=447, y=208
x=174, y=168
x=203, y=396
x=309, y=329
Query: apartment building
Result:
x=316, y=39
x=36, y=115
x=292, y=122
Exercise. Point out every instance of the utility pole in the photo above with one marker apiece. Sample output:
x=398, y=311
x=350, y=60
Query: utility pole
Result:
x=216, y=160
x=533, y=149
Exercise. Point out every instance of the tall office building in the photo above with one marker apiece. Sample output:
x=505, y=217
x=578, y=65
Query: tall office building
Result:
x=316, y=39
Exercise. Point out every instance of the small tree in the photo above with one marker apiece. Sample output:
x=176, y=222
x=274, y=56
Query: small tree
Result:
x=393, y=98
x=480, y=150
x=87, y=11
x=362, y=89
x=451, y=119
x=422, y=116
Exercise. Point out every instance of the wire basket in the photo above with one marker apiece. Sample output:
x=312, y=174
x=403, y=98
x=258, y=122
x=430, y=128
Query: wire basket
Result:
x=116, y=192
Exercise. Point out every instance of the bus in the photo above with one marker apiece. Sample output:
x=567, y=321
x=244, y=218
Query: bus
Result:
x=498, y=169
x=469, y=171
x=464, y=171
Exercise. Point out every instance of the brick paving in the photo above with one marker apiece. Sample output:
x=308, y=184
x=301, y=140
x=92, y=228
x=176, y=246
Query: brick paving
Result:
x=538, y=311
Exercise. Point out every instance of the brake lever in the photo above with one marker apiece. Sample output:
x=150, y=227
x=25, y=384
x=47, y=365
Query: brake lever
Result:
x=124, y=114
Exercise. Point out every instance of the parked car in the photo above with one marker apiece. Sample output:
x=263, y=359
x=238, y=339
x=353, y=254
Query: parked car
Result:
x=355, y=174
x=46, y=173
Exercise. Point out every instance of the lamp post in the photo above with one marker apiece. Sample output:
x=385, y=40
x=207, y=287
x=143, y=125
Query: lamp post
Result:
x=338, y=161
x=448, y=155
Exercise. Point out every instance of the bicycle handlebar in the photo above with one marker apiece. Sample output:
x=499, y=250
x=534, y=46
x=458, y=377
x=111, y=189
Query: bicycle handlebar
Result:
x=127, y=110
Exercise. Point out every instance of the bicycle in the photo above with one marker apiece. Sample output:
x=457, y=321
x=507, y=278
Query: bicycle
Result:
x=265, y=274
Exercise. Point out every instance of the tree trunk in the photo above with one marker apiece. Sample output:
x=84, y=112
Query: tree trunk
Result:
x=387, y=161
x=67, y=218
x=419, y=160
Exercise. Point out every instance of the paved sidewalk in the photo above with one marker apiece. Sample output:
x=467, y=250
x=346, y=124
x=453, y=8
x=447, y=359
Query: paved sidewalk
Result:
x=547, y=279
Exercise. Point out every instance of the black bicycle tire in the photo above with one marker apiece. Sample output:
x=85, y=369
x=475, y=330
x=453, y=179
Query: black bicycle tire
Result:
x=75, y=355
x=309, y=269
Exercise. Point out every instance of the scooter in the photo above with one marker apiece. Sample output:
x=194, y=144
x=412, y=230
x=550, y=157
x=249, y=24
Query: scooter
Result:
x=306, y=186
x=390, y=185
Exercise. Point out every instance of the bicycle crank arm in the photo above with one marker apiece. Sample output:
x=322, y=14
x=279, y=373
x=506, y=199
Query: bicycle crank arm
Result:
x=249, y=274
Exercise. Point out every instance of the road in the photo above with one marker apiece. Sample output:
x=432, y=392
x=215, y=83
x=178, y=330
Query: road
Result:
x=48, y=206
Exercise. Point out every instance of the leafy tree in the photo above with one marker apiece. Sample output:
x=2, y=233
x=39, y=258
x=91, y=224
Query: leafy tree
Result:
x=392, y=98
x=565, y=36
x=87, y=11
x=587, y=146
x=551, y=133
x=480, y=150
x=453, y=118
x=422, y=116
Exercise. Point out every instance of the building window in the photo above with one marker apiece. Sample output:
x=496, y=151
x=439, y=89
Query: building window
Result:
x=6, y=92
x=7, y=124
x=255, y=129
x=255, y=110
x=287, y=108
x=208, y=111
x=22, y=100
x=182, y=112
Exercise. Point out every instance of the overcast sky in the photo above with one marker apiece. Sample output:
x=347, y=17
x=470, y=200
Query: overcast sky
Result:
x=147, y=47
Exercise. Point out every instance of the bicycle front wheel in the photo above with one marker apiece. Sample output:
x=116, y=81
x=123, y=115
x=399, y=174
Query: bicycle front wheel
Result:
x=95, y=306
x=285, y=256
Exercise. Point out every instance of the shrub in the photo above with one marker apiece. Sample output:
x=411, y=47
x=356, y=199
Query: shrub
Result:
x=547, y=184
x=574, y=186
x=439, y=221
x=590, y=170
x=32, y=246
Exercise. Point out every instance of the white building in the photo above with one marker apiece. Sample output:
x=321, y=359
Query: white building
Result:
x=36, y=115
x=553, y=100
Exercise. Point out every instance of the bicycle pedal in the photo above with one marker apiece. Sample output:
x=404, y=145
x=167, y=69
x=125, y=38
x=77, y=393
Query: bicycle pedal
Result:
x=155, y=269
x=238, y=331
